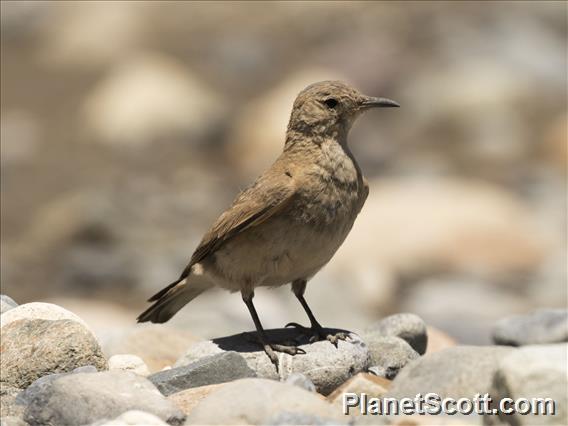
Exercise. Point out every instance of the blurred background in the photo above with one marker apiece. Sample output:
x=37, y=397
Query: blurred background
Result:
x=127, y=127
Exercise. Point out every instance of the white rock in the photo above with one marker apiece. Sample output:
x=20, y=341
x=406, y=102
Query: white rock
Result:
x=135, y=417
x=537, y=371
x=39, y=310
x=128, y=362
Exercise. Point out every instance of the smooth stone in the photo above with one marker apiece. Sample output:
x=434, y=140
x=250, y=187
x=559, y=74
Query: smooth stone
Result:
x=457, y=372
x=540, y=327
x=188, y=399
x=537, y=371
x=6, y=303
x=134, y=418
x=85, y=398
x=373, y=386
x=324, y=364
x=286, y=418
x=214, y=369
x=389, y=355
x=37, y=311
x=32, y=348
x=408, y=327
x=128, y=362
x=254, y=402
x=300, y=380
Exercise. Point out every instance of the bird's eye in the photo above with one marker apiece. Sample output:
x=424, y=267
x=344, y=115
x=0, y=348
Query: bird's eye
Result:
x=330, y=103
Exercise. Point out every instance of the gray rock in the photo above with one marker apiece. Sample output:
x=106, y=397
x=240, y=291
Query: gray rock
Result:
x=33, y=348
x=85, y=398
x=6, y=303
x=254, y=402
x=408, y=327
x=324, y=364
x=389, y=355
x=540, y=327
x=534, y=372
x=219, y=368
x=300, y=380
x=457, y=372
x=286, y=418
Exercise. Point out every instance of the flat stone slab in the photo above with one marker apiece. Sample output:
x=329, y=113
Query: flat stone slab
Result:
x=326, y=365
x=214, y=369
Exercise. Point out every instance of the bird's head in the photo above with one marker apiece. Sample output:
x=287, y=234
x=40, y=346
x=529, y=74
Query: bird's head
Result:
x=329, y=108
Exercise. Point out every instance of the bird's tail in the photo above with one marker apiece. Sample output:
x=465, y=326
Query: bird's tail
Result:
x=171, y=299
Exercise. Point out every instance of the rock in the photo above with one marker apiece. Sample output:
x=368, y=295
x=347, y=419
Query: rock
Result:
x=300, y=380
x=438, y=340
x=461, y=371
x=8, y=405
x=151, y=97
x=134, y=418
x=39, y=311
x=49, y=339
x=373, y=386
x=214, y=369
x=389, y=355
x=407, y=326
x=187, y=399
x=158, y=345
x=324, y=364
x=6, y=303
x=430, y=420
x=128, y=362
x=540, y=327
x=254, y=401
x=534, y=372
x=12, y=421
x=84, y=398
x=286, y=418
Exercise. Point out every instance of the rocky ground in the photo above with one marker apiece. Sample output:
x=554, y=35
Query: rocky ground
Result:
x=57, y=371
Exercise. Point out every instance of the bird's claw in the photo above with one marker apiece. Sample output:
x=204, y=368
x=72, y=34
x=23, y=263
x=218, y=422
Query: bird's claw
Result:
x=271, y=348
x=318, y=333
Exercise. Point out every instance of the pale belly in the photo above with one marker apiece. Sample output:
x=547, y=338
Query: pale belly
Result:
x=276, y=252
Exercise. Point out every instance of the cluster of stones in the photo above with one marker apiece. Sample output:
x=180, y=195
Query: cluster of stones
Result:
x=55, y=372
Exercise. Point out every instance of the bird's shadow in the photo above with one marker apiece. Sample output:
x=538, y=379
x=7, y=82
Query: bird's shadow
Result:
x=248, y=341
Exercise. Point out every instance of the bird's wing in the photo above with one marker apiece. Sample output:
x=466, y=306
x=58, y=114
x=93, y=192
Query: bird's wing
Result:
x=252, y=207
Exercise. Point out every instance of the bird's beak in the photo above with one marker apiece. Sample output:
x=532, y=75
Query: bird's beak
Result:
x=370, y=102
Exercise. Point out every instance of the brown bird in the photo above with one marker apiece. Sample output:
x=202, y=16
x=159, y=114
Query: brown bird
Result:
x=290, y=222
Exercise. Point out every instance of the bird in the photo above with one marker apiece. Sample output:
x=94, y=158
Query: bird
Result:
x=289, y=223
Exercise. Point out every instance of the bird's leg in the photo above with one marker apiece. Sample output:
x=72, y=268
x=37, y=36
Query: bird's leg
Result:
x=317, y=331
x=269, y=348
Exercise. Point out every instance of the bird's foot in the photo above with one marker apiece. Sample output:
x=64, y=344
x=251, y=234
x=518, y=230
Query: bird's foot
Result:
x=317, y=333
x=271, y=348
